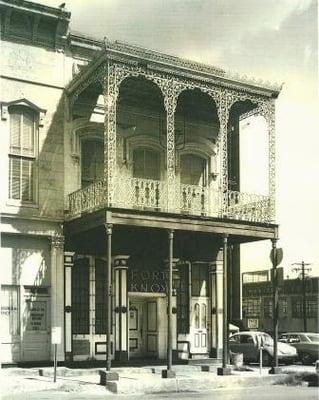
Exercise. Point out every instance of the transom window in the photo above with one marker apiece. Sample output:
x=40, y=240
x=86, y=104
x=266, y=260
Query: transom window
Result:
x=193, y=170
x=146, y=164
x=22, y=154
x=199, y=280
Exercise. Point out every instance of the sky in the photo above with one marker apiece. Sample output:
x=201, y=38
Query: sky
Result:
x=276, y=40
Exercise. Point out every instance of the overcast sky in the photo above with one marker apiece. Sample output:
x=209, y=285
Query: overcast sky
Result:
x=272, y=39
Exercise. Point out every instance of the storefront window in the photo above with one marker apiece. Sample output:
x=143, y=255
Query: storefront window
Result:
x=10, y=322
x=100, y=297
x=251, y=308
x=80, y=296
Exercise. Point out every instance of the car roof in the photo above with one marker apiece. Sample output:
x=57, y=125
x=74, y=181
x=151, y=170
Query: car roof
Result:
x=299, y=333
x=249, y=333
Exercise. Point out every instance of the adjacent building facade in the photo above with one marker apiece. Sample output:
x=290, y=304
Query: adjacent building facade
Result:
x=257, y=303
x=119, y=162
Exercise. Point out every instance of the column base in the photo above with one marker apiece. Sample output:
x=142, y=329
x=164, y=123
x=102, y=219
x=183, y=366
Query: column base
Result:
x=224, y=371
x=107, y=376
x=275, y=370
x=121, y=355
x=168, y=373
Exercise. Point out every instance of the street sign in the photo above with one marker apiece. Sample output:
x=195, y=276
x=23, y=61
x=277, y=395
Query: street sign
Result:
x=56, y=335
x=276, y=256
x=252, y=323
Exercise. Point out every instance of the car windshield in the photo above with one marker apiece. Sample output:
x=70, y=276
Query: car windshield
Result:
x=267, y=339
x=313, y=337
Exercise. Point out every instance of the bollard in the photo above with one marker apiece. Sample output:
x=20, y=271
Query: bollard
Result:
x=260, y=359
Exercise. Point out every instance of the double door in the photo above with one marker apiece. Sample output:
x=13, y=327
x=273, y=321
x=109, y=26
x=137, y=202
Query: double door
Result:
x=143, y=332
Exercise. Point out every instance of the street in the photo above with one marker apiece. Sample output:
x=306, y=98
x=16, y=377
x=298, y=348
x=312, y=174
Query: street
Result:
x=263, y=393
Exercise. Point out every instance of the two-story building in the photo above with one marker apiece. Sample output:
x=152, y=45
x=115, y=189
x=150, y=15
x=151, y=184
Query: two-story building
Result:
x=122, y=177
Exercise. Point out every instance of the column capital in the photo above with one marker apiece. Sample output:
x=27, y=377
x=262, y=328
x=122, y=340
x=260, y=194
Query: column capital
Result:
x=69, y=258
x=57, y=241
x=108, y=228
x=120, y=261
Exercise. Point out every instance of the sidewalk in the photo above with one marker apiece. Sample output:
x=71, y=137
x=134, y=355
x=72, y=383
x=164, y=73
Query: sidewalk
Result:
x=132, y=380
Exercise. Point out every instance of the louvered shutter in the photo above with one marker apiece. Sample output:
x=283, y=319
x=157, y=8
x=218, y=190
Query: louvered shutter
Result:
x=27, y=180
x=15, y=137
x=28, y=134
x=14, y=178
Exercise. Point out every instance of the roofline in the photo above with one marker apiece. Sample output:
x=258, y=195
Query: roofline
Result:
x=30, y=6
x=174, y=65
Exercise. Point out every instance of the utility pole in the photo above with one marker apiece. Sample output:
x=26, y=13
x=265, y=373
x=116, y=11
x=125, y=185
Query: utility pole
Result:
x=302, y=268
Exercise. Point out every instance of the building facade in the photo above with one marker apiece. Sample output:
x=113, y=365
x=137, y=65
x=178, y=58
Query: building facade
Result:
x=122, y=180
x=257, y=303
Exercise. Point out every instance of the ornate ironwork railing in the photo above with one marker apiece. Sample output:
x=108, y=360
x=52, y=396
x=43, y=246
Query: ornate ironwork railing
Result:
x=193, y=199
x=189, y=199
x=248, y=207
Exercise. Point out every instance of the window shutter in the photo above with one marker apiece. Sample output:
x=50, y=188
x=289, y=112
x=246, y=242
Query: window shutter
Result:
x=14, y=178
x=28, y=134
x=15, y=143
x=27, y=180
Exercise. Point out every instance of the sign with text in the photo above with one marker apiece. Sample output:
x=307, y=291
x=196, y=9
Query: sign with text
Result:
x=143, y=280
x=36, y=315
x=56, y=335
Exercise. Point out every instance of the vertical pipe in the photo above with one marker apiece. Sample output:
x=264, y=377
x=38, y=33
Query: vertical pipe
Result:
x=225, y=305
x=108, y=295
x=169, y=301
x=304, y=311
x=275, y=301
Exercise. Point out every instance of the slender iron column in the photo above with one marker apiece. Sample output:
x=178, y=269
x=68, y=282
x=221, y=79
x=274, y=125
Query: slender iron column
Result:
x=225, y=305
x=275, y=301
x=108, y=295
x=169, y=300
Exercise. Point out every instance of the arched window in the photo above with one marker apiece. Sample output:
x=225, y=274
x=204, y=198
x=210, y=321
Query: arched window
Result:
x=22, y=153
x=193, y=170
x=146, y=164
x=92, y=160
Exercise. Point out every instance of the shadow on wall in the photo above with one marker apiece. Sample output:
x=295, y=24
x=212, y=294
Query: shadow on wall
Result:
x=27, y=289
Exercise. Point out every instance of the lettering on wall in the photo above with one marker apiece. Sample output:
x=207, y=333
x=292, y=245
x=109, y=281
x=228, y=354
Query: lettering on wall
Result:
x=36, y=316
x=140, y=280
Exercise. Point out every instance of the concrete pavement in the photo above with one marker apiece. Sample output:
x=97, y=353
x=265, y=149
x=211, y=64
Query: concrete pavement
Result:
x=133, y=380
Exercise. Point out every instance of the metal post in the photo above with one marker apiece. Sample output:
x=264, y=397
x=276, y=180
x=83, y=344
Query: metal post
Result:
x=108, y=295
x=169, y=300
x=225, y=305
x=304, y=311
x=168, y=373
x=225, y=370
x=275, y=304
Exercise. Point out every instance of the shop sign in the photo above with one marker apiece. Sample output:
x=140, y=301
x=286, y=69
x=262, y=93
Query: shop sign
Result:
x=8, y=310
x=147, y=281
x=56, y=335
x=36, y=318
x=252, y=323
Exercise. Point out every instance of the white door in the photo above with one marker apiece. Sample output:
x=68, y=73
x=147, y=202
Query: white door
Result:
x=143, y=332
x=36, y=329
x=199, y=342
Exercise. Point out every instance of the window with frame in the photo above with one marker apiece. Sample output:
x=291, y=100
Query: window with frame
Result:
x=268, y=308
x=100, y=297
x=92, y=161
x=22, y=153
x=296, y=307
x=193, y=170
x=283, y=307
x=80, y=296
x=311, y=308
x=10, y=310
x=251, y=308
x=200, y=280
x=182, y=300
x=146, y=164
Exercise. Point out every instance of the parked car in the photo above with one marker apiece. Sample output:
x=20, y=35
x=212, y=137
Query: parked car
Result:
x=307, y=345
x=249, y=344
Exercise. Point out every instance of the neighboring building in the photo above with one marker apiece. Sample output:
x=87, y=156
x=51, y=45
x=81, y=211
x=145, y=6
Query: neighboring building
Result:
x=104, y=140
x=257, y=305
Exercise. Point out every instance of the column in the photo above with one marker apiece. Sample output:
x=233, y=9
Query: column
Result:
x=216, y=276
x=225, y=370
x=57, y=289
x=120, y=266
x=110, y=93
x=68, y=264
x=170, y=101
x=108, y=228
x=169, y=373
x=270, y=118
